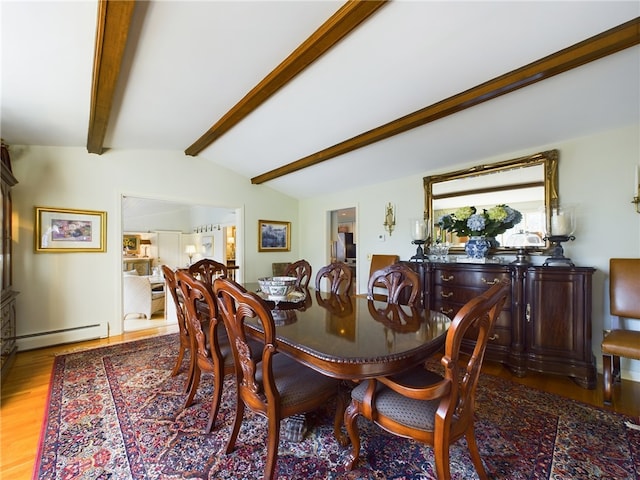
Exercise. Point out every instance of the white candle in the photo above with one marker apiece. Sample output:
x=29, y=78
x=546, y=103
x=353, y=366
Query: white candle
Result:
x=419, y=228
x=560, y=224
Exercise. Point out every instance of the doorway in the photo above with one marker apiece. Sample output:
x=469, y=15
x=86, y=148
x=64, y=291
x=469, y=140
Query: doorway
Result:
x=344, y=241
x=173, y=233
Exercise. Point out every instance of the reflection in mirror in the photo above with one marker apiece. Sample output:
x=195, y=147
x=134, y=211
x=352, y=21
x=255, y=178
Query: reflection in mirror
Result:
x=528, y=184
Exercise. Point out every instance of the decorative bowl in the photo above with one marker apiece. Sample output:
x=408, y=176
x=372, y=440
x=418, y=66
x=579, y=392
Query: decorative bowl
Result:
x=277, y=287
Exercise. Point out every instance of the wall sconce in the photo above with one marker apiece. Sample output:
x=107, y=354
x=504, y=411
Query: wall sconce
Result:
x=145, y=242
x=190, y=250
x=389, y=218
x=636, y=187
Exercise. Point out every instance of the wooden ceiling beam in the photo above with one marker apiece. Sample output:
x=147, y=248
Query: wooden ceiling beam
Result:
x=114, y=20
x=594, y=48
x=341, y=23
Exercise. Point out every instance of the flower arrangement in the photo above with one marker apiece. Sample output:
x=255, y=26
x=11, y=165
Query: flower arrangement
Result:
x=466, y=222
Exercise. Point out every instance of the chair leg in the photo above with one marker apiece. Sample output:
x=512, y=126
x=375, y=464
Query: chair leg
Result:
x=176, y=369
x=190, y=374
x=441, y=455
x=272, y=447
x=475, y=454
x=607, y=378
x=194, y=386
x=236, y=425
x=218, y=380
x=350, y=417
x=616, y=369
x=341, y=406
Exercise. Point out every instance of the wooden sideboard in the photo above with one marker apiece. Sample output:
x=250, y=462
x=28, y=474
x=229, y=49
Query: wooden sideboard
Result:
x=8, y=307
x=546, y=325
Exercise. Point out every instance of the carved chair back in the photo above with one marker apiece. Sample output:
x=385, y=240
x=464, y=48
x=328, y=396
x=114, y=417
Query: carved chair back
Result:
x=338, y=275
x=301, y=270
x=396, y=278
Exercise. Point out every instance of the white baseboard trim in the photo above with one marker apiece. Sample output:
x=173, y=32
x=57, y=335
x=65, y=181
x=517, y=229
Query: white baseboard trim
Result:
x=59, y=337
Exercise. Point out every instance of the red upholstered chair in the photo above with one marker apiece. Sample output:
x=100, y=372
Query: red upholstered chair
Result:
x=272, y=385
x=397, y=279
x=427, y=407
x=338, y=275
x=301, y=270
x=624, y=296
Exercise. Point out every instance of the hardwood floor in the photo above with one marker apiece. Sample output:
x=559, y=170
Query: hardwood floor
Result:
x=25, y=392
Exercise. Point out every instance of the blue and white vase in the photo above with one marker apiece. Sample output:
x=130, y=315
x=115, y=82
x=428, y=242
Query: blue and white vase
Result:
x=477, y=247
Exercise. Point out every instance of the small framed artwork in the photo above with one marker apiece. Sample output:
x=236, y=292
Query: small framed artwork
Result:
x=131, y=244
x=274, y=236
x=207, y=246
x=68, y=230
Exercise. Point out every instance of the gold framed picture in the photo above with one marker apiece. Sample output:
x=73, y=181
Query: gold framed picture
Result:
x=60, y=230
x=274, y=236
x=131, y=244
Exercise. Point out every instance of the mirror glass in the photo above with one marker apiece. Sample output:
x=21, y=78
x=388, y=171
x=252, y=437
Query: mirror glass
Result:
x=528, y=184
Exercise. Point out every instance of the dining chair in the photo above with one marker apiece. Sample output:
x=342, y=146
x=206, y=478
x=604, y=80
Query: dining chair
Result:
x=301, y=270
x=379, y=261
x=273, y=385
x=338, y=275
x=422, y=405
x=210, y=348
x=183, y=332
x=207, y=270
x=396, y=279
x=624, y=301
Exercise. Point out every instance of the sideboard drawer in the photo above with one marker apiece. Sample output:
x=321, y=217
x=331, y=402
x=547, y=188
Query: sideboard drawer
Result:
x=473, y=278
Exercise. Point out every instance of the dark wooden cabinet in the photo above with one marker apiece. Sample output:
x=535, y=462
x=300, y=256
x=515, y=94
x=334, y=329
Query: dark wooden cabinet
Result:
x=558, y=323
x=8, y=299
x=545, y=325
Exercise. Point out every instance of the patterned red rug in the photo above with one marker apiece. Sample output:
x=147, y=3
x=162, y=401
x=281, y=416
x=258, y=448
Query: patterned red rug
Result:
x=114, y=412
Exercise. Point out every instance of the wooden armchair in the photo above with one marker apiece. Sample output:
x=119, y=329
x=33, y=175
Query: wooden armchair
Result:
x=183, y=332
x=210, y=350
x=396, y=279
x=422, y=405
x=624, y=296
x=338, y=275
x=301, y=270
x=274, y=386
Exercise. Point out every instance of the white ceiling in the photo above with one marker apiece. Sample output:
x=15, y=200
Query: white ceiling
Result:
x=188, y=62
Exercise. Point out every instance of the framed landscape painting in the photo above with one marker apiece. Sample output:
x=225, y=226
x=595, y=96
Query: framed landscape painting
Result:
x=69, y=230
x=274, y=236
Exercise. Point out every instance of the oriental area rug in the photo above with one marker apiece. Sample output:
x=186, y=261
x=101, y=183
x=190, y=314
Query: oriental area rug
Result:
x=115, y=413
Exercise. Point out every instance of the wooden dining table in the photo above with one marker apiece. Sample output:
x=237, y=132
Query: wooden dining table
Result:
x=351, y=337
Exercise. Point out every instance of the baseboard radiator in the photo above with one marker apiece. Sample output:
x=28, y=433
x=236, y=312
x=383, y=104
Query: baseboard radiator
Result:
x=58, y=337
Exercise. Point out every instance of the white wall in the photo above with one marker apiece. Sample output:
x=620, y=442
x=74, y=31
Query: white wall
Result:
x=596, y=174
x=67, y=291
x=70, y=296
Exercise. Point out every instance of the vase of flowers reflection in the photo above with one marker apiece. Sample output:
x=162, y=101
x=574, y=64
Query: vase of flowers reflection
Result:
x=481, y=228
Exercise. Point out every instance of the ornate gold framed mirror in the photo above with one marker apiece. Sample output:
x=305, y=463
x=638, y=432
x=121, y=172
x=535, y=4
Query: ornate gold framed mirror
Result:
x=528, y=184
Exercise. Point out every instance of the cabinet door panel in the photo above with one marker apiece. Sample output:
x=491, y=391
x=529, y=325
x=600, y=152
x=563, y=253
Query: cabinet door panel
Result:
x=556, y=315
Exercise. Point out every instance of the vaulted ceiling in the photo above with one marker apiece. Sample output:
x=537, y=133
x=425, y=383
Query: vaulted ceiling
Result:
x=319, y=96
